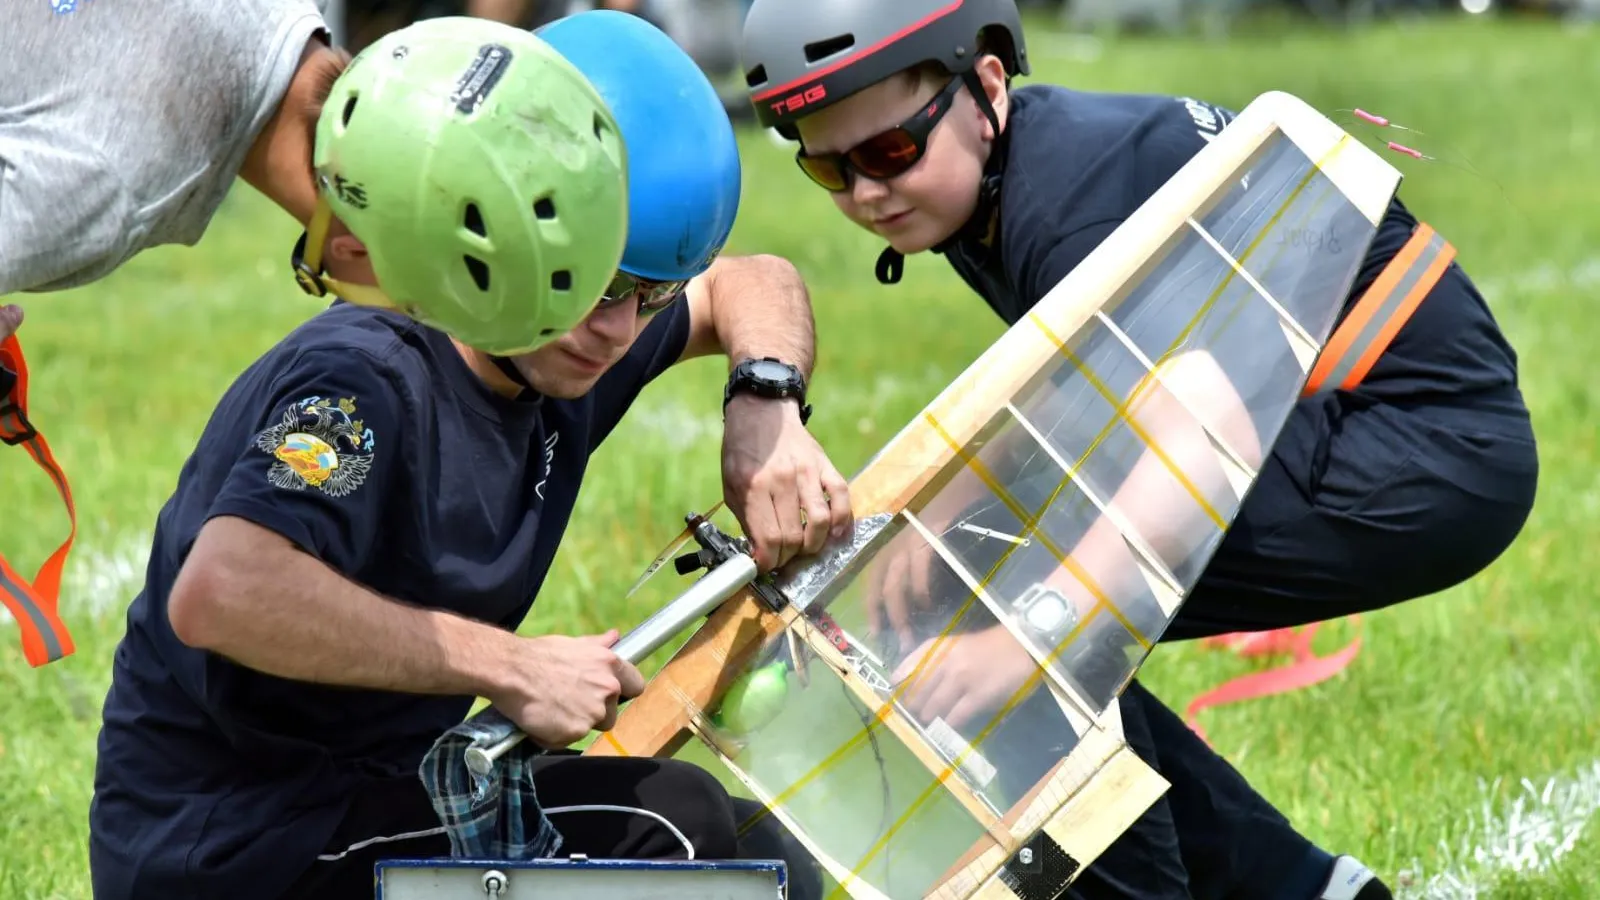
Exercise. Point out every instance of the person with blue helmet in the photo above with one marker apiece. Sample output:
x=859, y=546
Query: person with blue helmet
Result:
x=683, y=196
x=682, y=200
x=362, y=528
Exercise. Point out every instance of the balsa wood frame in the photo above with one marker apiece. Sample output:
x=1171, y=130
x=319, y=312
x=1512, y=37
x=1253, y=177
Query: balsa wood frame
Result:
x=1101, y=788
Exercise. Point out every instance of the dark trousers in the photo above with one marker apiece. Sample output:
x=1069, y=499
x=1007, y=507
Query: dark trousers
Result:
x=1210, y=837
x=1360, y=506
x=394, y=819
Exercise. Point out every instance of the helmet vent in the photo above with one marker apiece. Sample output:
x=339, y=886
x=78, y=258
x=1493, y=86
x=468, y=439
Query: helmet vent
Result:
x=473, y=219
x=479, y=271
x=756, y=77
x=819, y=50
x=561, y=280
x=544, y=208
x=349, y=110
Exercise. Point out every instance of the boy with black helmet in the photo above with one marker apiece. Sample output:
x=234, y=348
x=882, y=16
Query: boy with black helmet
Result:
x=905, y=113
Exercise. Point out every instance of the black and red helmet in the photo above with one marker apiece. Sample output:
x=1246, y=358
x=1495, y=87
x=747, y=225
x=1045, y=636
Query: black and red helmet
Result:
x=800, y=56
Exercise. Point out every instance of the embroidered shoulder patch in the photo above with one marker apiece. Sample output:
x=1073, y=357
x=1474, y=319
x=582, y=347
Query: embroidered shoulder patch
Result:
x=319, y=444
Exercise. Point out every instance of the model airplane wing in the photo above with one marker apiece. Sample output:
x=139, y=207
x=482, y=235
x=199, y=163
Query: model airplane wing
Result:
x=1043, y=518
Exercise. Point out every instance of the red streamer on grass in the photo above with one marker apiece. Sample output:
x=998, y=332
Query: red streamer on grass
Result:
x=1305, y=669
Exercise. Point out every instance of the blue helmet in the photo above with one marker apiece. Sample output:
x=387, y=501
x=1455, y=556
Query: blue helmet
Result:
x=683, y=159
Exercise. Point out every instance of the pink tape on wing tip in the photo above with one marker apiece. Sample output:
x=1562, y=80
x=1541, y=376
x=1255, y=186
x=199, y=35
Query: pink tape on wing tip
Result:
x=1374, y=119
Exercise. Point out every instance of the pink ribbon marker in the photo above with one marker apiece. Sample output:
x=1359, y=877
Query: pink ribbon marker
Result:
x=1401, y=148
x=1374, y=119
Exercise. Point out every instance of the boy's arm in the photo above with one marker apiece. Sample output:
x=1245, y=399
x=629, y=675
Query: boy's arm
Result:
x=1177, y=471
x=1166, y=492
x=1177, y=468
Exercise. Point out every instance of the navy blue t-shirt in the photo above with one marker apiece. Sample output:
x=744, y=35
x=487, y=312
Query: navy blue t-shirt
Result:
x=366, y=440
x=1077, y=164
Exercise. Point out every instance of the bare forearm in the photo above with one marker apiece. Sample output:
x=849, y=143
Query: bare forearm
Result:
x=249, y=595
x=1170, y=497
x=760, y=308
x=1158, y=509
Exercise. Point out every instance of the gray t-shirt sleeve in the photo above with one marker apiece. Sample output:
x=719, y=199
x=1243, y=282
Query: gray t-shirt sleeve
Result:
x=123, y=124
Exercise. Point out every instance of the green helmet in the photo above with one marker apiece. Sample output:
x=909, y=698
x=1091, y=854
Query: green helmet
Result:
x=485, y=175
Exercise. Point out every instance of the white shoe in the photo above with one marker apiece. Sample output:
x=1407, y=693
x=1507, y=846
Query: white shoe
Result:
x=1351, y=880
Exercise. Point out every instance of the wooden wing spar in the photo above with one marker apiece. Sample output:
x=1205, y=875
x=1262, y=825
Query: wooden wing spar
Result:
x=936, y=711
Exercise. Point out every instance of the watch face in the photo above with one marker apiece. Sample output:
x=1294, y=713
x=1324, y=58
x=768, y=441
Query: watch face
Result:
x=1048, y=615
x=1045, y=611
x=770, y=371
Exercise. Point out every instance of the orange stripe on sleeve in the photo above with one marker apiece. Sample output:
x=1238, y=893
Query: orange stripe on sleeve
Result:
x=1381, y=312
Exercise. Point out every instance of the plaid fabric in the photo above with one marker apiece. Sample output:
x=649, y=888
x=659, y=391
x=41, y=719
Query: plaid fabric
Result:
x=494, y=817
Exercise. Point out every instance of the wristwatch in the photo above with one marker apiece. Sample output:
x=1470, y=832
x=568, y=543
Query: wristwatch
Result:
x=767, y=377
x=1045, y=613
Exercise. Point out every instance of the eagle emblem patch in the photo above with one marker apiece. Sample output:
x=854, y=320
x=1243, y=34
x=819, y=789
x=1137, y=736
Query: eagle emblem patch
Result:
x=320, y=445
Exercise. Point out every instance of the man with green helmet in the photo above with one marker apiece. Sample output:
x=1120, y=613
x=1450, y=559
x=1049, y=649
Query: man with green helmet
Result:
x=499, y=234
x=374, y=505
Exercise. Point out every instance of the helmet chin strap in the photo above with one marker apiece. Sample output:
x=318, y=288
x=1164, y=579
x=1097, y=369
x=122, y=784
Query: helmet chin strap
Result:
x=891, y=262
x=510, y=370
x=306, y=261
x=891, y=265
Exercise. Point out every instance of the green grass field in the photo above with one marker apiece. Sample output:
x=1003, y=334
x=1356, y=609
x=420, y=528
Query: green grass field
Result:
x=1411, y=759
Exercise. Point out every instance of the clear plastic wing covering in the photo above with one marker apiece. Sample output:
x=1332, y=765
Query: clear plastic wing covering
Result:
x=878, y=750
x=937, y=668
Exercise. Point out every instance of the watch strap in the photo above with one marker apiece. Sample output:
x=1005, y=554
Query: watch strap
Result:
x=744, y=380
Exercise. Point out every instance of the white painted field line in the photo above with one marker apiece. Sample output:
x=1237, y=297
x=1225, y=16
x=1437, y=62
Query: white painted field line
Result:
x=98, y=582
x=1528, y=836
x=1543, y=277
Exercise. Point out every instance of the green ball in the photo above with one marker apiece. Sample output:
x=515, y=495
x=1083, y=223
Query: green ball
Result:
x=754, y=700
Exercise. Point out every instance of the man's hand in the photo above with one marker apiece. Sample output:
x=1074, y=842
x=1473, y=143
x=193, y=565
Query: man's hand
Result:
x=558, y=688
x=967, y=675
x=775, y=478
x=229, y=599
x=779, y=483
x=10, y=320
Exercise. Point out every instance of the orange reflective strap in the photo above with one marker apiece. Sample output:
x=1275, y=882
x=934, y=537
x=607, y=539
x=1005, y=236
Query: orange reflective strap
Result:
x=33, y=606
x=1363, y=336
